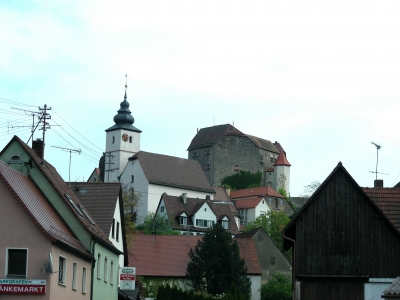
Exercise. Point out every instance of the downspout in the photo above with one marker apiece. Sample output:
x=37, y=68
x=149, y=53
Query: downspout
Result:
x=293, y=264
x=93, y=265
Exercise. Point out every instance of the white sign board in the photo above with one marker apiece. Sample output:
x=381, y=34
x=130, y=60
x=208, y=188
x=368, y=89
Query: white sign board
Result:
x=127, y=276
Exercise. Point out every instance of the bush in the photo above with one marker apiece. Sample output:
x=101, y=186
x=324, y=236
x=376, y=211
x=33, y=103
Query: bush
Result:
x=278, y=287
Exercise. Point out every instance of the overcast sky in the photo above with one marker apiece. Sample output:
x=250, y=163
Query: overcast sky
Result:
x=320, y=77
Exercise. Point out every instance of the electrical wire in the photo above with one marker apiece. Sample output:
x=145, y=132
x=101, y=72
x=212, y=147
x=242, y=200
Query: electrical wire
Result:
x=78, y=132
x=16, y=103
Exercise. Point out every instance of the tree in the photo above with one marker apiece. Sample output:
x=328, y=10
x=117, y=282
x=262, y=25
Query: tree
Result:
x=283, y=192
x=130, y=202
x=273, y=223
x=159, y=224
x=278, y=287
x=216, y=263
x=310, y=189
x=242, y=180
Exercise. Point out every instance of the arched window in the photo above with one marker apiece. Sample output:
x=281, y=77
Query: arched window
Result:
x=15, y=159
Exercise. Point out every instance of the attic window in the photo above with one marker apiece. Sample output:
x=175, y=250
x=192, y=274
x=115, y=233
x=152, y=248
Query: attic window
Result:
x=182, y=221
x=15, y=159
x=87, y=216
x=162, y=208
x=73, y=204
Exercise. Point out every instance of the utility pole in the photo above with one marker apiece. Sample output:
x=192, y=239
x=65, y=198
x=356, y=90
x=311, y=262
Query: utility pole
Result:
x=70, y=152
x=109, y=156
x=44, y=118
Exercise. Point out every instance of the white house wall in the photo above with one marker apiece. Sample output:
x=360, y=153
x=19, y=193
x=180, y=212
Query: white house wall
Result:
x=262, y=206
x=255, y=286
x=118, y=244
x=375, y=287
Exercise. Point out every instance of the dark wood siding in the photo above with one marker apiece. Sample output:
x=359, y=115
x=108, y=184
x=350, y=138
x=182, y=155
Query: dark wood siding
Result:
x=341, y=233
x=332, y=290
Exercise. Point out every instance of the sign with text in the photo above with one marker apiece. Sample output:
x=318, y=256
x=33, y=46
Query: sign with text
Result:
x=127, y=276
x=23, y=286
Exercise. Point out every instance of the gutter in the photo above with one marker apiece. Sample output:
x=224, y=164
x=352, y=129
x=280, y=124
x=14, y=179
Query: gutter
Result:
x=93, y=265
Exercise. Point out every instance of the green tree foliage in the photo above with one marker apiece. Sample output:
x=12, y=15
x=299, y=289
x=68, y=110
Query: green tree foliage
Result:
x=159, y=224
x=216, y=263
x=283, y=192
x=242, y=180
x=278, y=287
x=130, y=205
x=273, y=223
x=310, y=189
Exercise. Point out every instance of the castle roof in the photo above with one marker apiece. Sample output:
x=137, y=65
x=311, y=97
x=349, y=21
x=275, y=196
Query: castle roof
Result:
x=173, y=171
x=256, y=191
x=210, y=135
x=282, y=160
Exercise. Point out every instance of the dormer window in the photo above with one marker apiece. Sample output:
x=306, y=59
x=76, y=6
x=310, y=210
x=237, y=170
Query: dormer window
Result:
x=162, y=208
x=225, y=224
x=15, y=159
x=183, y=221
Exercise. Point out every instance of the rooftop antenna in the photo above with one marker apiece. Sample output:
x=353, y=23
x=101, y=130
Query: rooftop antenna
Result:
x=376, y=169
x=70, y=151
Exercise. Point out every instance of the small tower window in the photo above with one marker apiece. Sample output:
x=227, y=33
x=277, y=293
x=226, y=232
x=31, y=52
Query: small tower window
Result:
x=130, y=139
x=113, y=139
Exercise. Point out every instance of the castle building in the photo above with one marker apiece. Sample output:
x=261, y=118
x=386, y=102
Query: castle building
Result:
x=223, y=150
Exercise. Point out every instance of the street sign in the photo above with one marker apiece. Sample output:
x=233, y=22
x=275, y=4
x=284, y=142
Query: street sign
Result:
x=127, y=277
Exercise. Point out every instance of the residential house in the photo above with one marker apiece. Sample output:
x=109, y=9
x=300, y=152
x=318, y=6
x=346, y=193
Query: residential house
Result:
x=163, y=259
x=195, y=216
x=223, y=150
x=269, y=255
x=95, y=176
x=39, y=254
x=345, y=241
x=147, y=174
x=104, y=203
x=31, y=164
x=254, y=202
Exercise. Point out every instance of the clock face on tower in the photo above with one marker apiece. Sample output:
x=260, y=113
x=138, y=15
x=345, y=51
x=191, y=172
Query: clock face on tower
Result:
x=125, y=137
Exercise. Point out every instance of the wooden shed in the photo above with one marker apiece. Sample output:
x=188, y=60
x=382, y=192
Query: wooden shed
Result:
x=344, y=246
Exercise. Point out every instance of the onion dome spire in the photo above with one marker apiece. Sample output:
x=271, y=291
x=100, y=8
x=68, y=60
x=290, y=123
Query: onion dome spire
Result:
x=124, y=119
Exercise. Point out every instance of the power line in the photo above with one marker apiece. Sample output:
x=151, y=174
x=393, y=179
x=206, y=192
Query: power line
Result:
x=77, y=131
x=15, y=103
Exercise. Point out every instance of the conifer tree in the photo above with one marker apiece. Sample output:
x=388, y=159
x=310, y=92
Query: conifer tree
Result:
x=216, y=263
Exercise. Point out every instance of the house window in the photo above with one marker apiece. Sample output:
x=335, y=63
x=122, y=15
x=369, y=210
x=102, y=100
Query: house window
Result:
x=112, y=272
x=225, y=224
x=204, y=223
x=98, y=265
x=182, y=221
x=17, y=262
x=162, y=208
x=113, y=229
x=74, y=268
x=208, y=167
x=117, y=231
x=105, y=268
x=276, y=202
x=262, y=213
x=195, y=154
x=62, y=270
x=15, y=159
x=132, y=178
x=236, y=168
x=281, y=202
x=269, y=200
x=243, y=217
x=84, y=280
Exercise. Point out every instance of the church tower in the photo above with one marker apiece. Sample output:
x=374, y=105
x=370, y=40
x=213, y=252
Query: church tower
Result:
x=122, y=141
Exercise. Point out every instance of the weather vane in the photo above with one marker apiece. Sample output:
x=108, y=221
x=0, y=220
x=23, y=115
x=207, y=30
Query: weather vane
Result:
x=126, y=84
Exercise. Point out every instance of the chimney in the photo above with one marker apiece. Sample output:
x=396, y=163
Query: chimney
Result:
x=378, y=183
x=228, y=192
x=38, y=147
x=184, y=199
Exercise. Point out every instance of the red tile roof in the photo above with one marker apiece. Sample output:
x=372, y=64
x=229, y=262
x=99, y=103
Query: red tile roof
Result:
x=248, y=202
x=282, y=161
x=39, y=209
x=161, y=255
x=388, y=201
x=167, y=255
x=257, y=191
x=249, y=253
